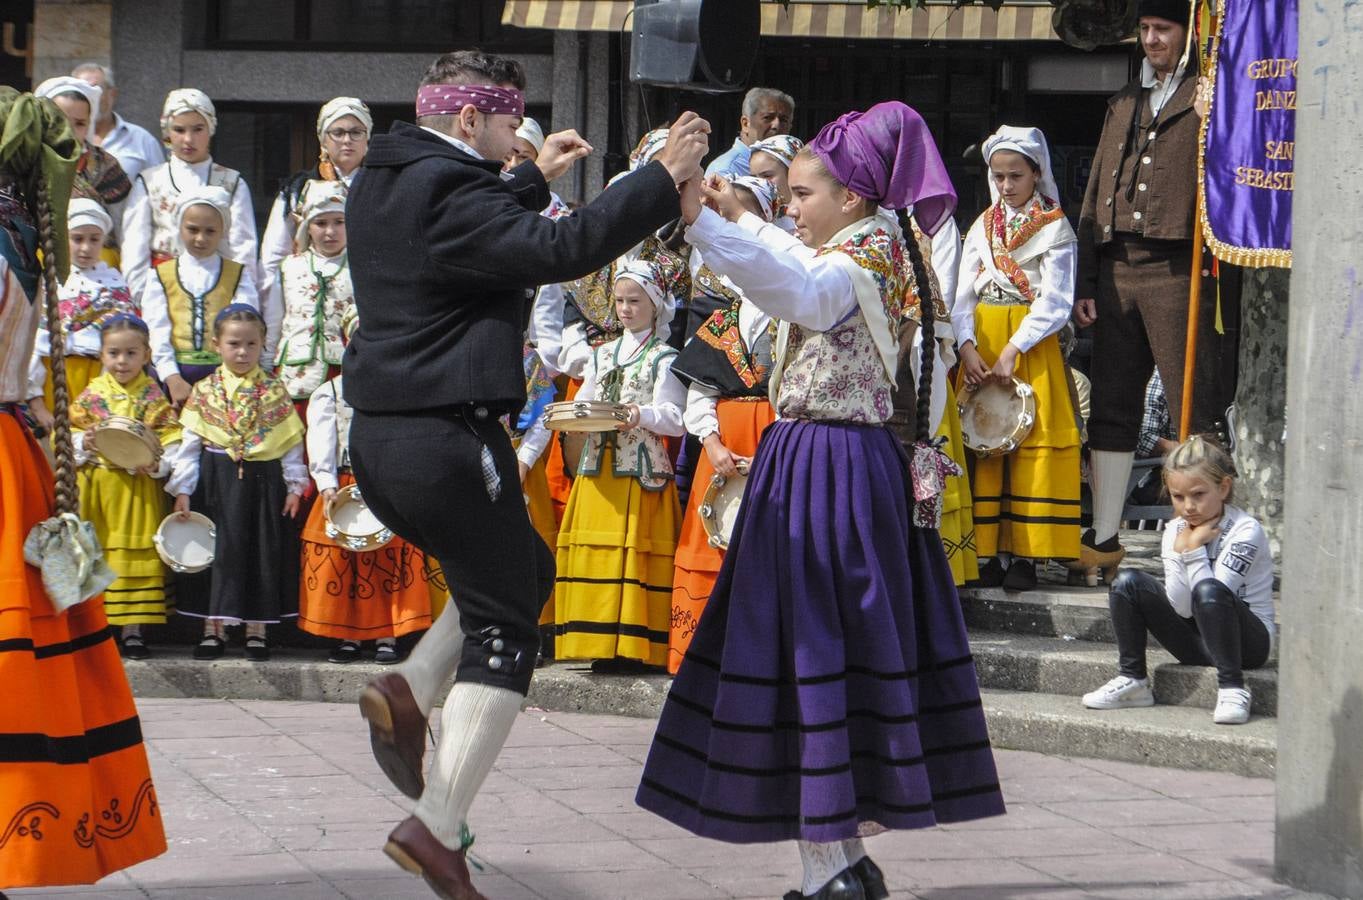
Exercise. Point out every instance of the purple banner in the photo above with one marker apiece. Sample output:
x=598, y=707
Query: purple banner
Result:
x=1249, y=135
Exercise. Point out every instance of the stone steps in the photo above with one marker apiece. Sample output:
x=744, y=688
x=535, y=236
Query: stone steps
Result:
x=1173, y=736
x=1072, y=668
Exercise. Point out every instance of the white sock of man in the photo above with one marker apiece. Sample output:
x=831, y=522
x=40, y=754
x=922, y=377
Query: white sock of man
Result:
x=822, y=862
x=434, y=658
x=473, y=727
x=1111, y=471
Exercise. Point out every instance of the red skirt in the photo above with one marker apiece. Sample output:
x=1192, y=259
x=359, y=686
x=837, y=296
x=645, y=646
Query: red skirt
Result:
x=382, y=593
x=76, y=796
x=741, y=423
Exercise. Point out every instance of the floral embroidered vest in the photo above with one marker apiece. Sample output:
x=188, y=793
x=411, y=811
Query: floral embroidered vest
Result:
x=835, y=376
x=164, y=196
x=191, y=316
x=314, y=305
x=847, y=373
x=638, y=453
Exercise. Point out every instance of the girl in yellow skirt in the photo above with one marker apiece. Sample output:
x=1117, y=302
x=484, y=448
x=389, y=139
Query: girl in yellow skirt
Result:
x=615, y=548
x=378, y=595
x=1015, y=294
x=127, y=506
x=93, y=293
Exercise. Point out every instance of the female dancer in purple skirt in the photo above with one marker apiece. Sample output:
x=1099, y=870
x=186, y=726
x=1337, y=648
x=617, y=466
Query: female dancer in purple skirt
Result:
x=829, y=692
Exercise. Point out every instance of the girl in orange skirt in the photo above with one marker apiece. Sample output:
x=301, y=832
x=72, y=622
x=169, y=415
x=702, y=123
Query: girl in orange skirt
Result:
x=378, y=595
x=725, y=367
x=76, y=796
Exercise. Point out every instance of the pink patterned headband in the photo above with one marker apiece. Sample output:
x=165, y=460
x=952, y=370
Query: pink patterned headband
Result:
x=448, y=99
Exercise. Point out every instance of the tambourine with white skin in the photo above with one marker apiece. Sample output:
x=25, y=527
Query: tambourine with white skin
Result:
x=585, y=415
x=997, y=416
x=719, y=506
x=124, y=443
x=186, y=541
x=352, y=525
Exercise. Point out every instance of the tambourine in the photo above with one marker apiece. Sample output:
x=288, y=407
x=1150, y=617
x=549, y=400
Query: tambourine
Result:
x=584, y=415
x=719, y=506
x=352, y=524
x=126, y=443
x=997, y=416
x=186, y=545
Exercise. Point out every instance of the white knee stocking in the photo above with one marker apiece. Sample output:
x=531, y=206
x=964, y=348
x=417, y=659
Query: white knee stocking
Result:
x=854, y=850
x=434, y=659
x=1110, y=473
x=822, y=863
x=473, y=727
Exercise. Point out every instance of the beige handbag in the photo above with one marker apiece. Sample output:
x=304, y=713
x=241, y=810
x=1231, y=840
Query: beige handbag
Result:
x=63, y=548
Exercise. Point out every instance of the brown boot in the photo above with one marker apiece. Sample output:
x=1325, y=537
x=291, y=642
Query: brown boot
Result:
x=412, y=846
x=397, y=731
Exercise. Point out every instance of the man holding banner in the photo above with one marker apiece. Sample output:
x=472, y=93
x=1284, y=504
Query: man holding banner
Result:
x=1135, y=263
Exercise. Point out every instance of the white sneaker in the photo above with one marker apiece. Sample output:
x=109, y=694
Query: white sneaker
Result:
x=1121, y=693
x=1232, y=706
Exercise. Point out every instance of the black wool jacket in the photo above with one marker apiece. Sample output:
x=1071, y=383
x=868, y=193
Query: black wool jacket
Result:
x=443, y=249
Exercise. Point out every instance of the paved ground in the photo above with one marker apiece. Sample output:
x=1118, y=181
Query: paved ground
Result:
x=282, y=801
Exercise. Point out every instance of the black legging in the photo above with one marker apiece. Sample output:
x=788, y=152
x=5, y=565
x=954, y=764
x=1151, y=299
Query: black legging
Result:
x=1223, y=632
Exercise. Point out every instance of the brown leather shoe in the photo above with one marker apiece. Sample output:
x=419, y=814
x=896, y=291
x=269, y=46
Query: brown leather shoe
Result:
x=397, y=731
x=412, y=846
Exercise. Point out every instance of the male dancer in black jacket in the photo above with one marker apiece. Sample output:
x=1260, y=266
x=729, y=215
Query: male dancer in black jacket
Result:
x=444, y=253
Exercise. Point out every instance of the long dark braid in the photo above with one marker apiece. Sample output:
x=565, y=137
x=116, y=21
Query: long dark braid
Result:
x=67, y=498
x=923, y=284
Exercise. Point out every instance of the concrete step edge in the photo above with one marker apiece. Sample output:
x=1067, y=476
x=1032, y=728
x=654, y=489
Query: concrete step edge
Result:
x=1170, y=736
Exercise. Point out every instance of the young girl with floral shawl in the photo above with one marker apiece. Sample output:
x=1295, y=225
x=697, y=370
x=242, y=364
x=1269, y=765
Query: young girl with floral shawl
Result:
x=92, y=294
x=1014, y=295
x=613, y=589
x=828, y=693
x=126, y=506
x=241, y=464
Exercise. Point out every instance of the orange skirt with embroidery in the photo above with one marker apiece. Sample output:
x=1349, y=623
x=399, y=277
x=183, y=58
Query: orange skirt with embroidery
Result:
x=76, y=796
x=741, y=423
x=382, y=593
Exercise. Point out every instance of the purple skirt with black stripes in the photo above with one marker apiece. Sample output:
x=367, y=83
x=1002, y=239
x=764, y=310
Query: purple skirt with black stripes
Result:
x=829, y=691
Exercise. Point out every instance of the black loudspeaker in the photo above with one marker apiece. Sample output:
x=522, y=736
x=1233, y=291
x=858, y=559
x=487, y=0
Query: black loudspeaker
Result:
x=701, y=45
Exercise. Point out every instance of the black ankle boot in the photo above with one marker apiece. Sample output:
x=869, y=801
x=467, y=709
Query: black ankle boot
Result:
x=991, y=573
x=1021, y=576
x=843, y=886
x=871, y=878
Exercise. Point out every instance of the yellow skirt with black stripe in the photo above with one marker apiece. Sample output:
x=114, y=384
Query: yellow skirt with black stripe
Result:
x=613, y=591
x=126, y=510
x=540, y=504
x=1027, y=502
x=958, y=519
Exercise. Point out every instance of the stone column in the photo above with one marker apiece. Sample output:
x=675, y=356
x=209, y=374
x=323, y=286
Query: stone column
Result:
x=67, y=33
x=1261, y=399
x=1320, y=723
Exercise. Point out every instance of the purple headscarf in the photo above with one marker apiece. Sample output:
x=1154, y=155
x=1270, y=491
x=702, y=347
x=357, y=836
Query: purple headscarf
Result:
x=887, y=154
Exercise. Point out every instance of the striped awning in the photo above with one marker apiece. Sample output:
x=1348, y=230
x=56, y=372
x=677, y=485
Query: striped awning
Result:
x=1020, y=21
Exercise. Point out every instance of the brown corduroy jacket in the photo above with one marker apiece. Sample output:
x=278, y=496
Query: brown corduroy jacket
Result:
x=1171, y=176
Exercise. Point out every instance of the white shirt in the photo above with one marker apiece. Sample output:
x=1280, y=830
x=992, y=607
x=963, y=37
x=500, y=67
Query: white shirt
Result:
x=276, y=245
x=1047, y=314
x=1160, y=91
x=239, y=245
x=575, y=351
x=455, y=141
x=198, y=277
x=775, y=270
x=184, y=467
x=320, y=438
x=1239, y=558
x=133, y=146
